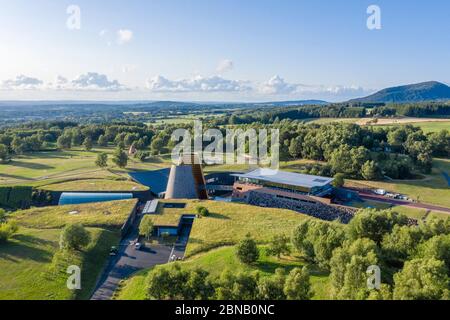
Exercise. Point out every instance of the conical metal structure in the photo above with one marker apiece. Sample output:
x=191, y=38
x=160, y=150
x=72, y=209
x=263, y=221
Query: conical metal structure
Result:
x=186, y=180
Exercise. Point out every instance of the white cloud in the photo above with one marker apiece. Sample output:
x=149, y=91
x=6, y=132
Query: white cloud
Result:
x=103, y=32
x=95, y=81
x=124, y=36
x=225, y=65
x=22, y=82
x=277, y=85
x=196, y=84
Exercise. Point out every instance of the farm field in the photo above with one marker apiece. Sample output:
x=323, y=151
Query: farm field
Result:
x=426, y=124
x=32, y=267
x=216, y=261
x=434, y=189
x=331, y=120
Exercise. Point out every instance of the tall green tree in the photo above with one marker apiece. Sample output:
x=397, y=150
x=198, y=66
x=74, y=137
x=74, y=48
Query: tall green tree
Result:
x=349, y=265
x=4, y=152
x=422, y=279
x=370, y=171
x=102, y=160
x=74, y=237
x=272, y=288
x=146, y=227
x=247, y=251
x=88, y=144
x=279, y=245
x=374, y=224
x=120, y=158
x=298, y=285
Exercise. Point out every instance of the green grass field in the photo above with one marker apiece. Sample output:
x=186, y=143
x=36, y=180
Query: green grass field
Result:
x=428, y=127
x=95, y=185
x=45, y=168
x=32, y=267
x=111, y=215
x=433, y=189
x=228, y=223
x=216, y=261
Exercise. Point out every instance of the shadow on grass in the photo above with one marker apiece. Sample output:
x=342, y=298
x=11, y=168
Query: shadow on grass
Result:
x=218, y=216
x=24, y=248
x=29, y=165
x=11, y=176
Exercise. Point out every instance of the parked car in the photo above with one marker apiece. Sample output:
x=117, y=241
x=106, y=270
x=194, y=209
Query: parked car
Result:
x=113, y=252
x=138, y=246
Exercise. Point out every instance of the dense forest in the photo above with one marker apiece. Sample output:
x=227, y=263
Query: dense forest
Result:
x=370, y=153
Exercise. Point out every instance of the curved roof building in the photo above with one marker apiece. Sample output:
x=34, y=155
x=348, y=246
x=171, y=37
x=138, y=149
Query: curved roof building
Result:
x=186, y=180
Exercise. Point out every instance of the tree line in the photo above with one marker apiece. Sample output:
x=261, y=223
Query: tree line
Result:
x=414, y=261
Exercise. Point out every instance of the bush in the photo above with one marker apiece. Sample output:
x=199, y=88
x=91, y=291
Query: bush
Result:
x=204, y=212
x=142, y=155
x=41, y=198
x=74, y=237
x=7, y=230
x=247, y=251
x=339, y=180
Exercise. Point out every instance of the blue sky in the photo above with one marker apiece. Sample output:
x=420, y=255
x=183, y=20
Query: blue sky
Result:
x=219, y=50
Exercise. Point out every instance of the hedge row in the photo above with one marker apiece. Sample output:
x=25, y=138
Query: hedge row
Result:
x=15, y=197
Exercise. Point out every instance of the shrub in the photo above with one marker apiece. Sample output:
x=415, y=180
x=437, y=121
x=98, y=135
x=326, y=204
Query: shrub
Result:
x=41, y=198
x=74, y=237
x=7, y=230
x=204, y=212
x=247, y=251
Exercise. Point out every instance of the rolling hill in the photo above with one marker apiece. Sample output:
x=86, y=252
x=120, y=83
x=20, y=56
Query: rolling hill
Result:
x=425, y=91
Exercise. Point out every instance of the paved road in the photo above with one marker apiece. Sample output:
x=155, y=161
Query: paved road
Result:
x=128, y=262
x=374, y=197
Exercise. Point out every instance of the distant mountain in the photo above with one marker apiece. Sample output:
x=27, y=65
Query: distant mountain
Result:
x=425, y=91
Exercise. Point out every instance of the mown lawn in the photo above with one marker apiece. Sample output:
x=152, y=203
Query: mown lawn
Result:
x=231, y=222
x=218, y=260
x=29, y=271
x=45, y=168
x=96, y=185
x=33, y=268
x=111, y=215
